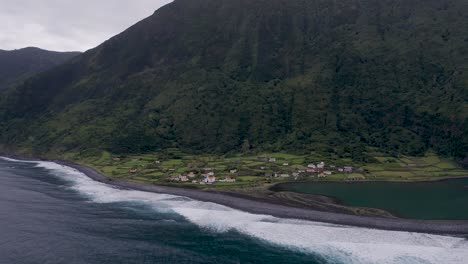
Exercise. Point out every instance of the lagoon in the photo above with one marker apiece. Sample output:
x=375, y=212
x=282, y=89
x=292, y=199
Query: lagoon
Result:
x=438, y=200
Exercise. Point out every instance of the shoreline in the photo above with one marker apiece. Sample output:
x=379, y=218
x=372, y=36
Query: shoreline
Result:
x=260, y=206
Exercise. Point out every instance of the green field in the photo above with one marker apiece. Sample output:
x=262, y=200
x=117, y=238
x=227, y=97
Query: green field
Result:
x=255, y=169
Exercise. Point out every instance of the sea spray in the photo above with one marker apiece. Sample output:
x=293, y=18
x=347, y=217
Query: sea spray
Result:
x=344, y=244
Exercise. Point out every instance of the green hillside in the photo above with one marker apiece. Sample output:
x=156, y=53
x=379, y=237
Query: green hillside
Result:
x=277, y=75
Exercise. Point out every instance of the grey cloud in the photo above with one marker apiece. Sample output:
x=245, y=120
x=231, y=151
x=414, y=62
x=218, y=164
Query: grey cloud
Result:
x=67, y=25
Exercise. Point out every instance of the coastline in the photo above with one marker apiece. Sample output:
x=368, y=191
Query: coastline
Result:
x=260, y=206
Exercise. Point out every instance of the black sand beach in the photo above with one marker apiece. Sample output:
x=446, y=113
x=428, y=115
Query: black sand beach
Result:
x=258, y=206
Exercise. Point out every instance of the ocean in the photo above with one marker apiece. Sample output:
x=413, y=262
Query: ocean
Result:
x=50, y=213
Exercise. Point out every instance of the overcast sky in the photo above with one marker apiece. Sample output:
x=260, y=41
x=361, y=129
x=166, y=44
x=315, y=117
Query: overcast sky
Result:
x=68, y=25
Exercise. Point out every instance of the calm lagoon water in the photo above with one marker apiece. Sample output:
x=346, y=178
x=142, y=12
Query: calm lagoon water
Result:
x=54, y=214
x=425, y=200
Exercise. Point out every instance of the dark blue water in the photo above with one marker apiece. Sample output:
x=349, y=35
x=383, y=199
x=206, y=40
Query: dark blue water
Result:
x=50, y=214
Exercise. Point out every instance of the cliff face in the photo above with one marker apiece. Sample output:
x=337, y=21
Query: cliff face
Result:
x=213, y=75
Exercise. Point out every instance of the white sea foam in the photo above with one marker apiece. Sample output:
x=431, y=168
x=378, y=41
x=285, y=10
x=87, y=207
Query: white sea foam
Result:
x=342, y=243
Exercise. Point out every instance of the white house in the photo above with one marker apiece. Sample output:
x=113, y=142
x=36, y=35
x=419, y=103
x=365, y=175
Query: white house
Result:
x=209, y=180
x=312, y=166
x=183, y=178
x=228, y=179
x=321, y=165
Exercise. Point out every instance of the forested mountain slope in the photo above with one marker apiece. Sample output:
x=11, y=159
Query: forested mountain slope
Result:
x=221, y=75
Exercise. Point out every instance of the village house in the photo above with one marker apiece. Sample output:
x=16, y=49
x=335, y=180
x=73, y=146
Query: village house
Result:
x=194, y=181
x=340, y=169
x=210, y=173
x=268, y=174
x=133, y=171
x=301, y=171
x=183, y=178
x=311, y=171
x=327, y=172
x=321, y=165
x=295, y=174
x=116, y=159
x=174, y=178
x=282, y=175
x=312, y=166
x=228, y=179
x=322, y=175
x=272, y=160
x=207, y=169
x=348, y=169
x=233, y=171
x=171, y=169
x=285, y=164
x=262, y=168
x=209, y=180
x=157, y=162
x=191, y=174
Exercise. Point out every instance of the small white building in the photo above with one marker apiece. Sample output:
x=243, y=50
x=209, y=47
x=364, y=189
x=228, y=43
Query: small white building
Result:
x=285, y=164
x=183, y=178
x=312, y=166
x=233, y=171
x=272, y=160
x=174, y=178
x=228, y=179
x=321, y=165
x=209, y=180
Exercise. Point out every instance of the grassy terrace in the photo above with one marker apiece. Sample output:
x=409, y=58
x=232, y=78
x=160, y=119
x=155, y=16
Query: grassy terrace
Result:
x=252, y=169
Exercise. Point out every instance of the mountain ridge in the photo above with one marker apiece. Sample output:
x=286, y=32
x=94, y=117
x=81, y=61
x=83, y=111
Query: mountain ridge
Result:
x=19, y=64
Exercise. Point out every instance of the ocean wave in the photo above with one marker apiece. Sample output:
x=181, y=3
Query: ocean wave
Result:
x=343, y=244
